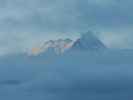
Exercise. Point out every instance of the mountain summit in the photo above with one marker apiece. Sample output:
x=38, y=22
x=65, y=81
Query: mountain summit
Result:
x=88, y=41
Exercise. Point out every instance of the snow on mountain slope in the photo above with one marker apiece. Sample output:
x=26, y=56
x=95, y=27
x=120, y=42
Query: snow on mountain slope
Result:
x=88, y=41
x=58, y=46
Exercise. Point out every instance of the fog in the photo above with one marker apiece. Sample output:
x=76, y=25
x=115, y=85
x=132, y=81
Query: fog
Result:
x=105, y=75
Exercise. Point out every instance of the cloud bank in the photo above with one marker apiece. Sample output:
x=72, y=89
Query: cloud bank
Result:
x=25, y=21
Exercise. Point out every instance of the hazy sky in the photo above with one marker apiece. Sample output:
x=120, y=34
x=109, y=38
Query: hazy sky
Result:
x=24, y=23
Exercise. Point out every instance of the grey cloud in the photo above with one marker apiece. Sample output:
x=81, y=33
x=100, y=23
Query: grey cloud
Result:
x=62, y=15
x=44, y=17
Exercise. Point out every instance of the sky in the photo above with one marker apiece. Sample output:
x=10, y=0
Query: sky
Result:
x=25, y=23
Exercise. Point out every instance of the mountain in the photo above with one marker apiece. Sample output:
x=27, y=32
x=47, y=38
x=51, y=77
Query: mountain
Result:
x=88, y=41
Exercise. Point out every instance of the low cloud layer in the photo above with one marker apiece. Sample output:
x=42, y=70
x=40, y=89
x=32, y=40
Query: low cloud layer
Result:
x=46, y=18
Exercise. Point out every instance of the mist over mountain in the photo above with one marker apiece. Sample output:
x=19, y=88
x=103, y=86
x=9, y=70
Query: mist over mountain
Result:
x=72, y=75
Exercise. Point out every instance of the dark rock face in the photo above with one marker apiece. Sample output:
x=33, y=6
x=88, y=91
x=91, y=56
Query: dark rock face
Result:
x=88, y=41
